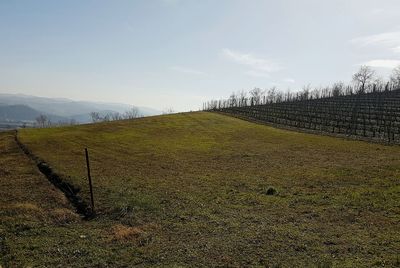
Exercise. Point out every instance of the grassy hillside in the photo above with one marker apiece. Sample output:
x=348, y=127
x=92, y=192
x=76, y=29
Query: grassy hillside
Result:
x=38, y=227
x=192, y=189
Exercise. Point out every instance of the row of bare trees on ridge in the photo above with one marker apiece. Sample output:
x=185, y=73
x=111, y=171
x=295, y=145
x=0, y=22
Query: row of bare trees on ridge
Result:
x=364, y=80
x=369, y=108
x=114, y=116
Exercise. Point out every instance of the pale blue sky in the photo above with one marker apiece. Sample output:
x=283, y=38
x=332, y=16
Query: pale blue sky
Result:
x=179, y=53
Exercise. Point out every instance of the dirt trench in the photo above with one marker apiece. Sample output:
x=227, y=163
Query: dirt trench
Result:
x=69, y=190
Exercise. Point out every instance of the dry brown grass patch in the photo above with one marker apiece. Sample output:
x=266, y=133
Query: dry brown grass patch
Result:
x=26, y=207
x=123, y=233
x=63, y=216
x=23, y=211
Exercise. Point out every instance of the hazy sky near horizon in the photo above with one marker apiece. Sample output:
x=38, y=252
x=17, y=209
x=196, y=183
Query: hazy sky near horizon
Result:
x=179, y=53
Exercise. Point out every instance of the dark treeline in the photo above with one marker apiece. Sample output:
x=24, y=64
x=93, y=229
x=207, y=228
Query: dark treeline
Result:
x=364, y=81
x=370, y=108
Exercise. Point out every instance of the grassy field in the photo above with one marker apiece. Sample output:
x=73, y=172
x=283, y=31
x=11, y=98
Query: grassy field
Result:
x=192, y=189
x=38, y=227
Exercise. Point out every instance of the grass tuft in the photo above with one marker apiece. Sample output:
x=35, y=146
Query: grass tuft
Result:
x=123, y=233
x=271, y=191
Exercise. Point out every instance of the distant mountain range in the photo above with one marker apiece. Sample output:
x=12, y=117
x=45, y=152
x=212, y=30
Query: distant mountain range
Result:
x=25, y=108
x=24, y=113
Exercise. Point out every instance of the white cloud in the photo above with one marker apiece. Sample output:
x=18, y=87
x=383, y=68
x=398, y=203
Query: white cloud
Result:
x=255, y=73
x=396, y=49
x=389, y=40
x=187, y=70
x=382, y=63
x=259, y=67
x=289, y=80
x=376, y=11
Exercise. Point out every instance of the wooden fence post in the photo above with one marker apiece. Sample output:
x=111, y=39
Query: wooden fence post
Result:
x=90, y=179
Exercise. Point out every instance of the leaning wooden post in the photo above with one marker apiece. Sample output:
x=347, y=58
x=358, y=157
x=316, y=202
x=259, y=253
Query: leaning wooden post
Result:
x=90, y=179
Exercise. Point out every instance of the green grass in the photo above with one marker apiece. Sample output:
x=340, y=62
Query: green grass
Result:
x=38, y=227
x=190, y=189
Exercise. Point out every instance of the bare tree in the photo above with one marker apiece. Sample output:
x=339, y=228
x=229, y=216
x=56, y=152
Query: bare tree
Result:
x=378, y=84
x=170, y=110
x=337, y=89
x=316, y=93
x=271, y=94
x=106, y=118
x=242, y=98
x=95, y=117
x=132, y=113
x=305, y=92
x=41, y=120
x=116, y=116
x=288, y=95
x=279, y=96
x=256, y=95
x=363, y=77
x=395, y=77
x=232, y=100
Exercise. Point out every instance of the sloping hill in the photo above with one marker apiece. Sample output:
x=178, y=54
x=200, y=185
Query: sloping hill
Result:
x=207, y=189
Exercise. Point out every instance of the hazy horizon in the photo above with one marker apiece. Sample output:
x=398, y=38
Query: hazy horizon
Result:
x=180, y=53
x=70, y=99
